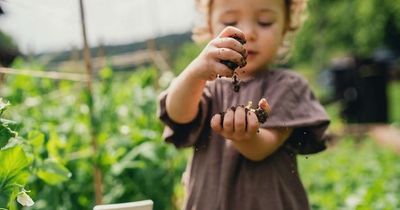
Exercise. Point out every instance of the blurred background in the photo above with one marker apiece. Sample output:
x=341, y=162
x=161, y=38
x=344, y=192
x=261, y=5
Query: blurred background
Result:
x=74, y=140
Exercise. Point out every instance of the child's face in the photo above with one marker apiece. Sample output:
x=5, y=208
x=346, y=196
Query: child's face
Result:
x=261, y=21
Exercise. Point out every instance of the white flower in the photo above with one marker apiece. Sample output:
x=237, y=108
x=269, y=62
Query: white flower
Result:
x=24, y=199
x=124, y=129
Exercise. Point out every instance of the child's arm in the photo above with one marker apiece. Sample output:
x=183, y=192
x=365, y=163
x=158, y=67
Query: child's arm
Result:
x=184, y=96
x=185, y=92
x=243, y=130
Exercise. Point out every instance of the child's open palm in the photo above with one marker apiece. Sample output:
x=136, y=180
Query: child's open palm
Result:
x=237, y=124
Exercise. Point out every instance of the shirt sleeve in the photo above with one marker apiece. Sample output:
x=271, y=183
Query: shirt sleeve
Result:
x=188, y=134
x=294, y=105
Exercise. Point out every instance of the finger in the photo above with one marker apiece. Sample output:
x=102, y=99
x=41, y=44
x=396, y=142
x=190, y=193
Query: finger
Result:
x=228, y=121
x=263, y=104
x=216, y=123
x=228, y=54
x=240, y=121
x=252, y=122
x=223, y=70
x=231, y=31
x=228, y=42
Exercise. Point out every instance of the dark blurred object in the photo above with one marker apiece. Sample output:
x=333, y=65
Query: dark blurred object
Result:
x=8, y=50
x=360, y=85
x=7, y=55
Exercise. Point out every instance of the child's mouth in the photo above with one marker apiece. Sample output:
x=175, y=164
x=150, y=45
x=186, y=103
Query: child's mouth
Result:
x=252, y=53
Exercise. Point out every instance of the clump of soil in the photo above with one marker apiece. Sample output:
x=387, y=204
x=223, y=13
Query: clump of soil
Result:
x=233, y=66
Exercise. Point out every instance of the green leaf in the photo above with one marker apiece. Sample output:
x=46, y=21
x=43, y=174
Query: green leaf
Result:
x=106, y=73
x=5, y=134
x=54, y=145
x=13, y=142
x=13, y=162
x=53, y=172
x=3, y=106
x=9, y=123
x=36, y=138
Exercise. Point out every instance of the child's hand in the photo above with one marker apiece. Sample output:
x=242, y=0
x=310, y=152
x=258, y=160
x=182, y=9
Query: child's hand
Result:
x=236, y=124
x=223, y=48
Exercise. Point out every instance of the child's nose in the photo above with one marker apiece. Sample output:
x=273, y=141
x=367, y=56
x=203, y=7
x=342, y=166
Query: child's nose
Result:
x=250, y=32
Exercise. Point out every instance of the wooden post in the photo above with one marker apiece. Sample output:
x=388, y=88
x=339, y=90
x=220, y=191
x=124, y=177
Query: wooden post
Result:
x=89, y=69
x=54, y=75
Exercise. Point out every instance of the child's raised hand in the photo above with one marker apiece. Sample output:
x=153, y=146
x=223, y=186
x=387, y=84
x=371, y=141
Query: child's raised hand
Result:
x=222, y=48
x=236, y=124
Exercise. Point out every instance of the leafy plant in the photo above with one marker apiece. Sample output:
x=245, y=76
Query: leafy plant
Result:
x=135, y=162
x=20, y=160
x=13, y=163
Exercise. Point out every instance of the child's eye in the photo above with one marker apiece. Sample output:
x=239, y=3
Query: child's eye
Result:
x=265, y=24
x=230, y=23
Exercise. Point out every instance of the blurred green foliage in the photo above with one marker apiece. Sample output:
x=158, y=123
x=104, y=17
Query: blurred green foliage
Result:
x=186, y=54
x=13, y=162
x=352, y=176
x=19, y=161
x=341, y=27
x=54, y=117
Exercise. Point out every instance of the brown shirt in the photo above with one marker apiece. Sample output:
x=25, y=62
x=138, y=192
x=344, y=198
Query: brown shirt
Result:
x=219, y=177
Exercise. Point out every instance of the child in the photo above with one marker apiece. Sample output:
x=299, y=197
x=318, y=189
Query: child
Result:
x=239, y=163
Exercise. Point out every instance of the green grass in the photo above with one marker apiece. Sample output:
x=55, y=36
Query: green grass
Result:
x=352, y=176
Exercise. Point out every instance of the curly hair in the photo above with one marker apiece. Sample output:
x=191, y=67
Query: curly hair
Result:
x=294, y=12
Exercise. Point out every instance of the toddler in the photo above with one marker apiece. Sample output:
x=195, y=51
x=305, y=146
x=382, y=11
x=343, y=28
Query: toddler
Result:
x=239, y=163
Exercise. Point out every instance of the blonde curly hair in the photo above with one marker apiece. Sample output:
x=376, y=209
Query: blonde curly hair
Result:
x=295, y=16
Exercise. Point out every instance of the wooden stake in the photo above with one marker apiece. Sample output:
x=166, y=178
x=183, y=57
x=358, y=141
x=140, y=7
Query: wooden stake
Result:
x=96, y=170
x=46, y=74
